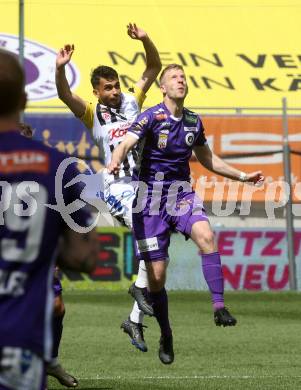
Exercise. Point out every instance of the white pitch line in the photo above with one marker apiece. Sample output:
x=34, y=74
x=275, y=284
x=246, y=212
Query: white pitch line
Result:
x=204, y=377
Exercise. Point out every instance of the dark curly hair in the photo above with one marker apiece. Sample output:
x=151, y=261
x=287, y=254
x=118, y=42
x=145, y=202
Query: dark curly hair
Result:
x=106, y=72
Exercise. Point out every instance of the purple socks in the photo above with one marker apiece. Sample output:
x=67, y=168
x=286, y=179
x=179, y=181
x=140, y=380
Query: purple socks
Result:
x=160, y=306
x=212, y=270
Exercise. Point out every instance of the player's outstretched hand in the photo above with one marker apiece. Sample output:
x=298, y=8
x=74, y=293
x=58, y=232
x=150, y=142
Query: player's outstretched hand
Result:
x=136, y=32
x=64, y=55
x=113, y=168
x=256, y=178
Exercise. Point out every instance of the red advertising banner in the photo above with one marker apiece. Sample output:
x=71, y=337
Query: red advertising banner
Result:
x=253, y=259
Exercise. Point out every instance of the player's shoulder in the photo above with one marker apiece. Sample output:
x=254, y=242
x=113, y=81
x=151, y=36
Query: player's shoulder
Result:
x=46, y=158
x=156, y=112
x=129, y=96
x=190, y=116
x=35, y=144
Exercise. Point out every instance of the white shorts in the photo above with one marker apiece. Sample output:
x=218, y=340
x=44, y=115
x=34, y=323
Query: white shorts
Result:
x=119, y=197
x=21, y=369
x=112, y=198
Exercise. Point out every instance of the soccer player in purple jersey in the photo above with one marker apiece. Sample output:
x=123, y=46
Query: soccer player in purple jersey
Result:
x=170, y=133
x=31, y=235
x=54, y=368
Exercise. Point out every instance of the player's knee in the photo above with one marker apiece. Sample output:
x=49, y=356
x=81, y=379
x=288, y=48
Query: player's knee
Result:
x=206, y=241
x=59, y=307
x=156, y=285
x=156, y=281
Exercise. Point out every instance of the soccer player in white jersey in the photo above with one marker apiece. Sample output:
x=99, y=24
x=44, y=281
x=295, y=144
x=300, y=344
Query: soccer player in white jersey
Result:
x=107, y=121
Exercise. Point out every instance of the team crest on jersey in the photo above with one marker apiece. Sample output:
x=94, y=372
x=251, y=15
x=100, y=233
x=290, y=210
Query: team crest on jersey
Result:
x=106, y=116
x=189, y=138
x=162, y=141
x=39, y=63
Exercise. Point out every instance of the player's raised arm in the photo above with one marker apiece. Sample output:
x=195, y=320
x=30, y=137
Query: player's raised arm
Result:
x=215, y=164
x=74, y=102
x=153, y=62
x=120, y=153
x=79, y=251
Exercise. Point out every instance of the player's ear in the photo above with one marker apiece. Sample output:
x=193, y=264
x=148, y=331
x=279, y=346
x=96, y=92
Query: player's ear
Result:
x=96, y=93
x=162, y=88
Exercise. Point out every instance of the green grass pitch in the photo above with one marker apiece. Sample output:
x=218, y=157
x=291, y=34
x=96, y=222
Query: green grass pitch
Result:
x=262, y=352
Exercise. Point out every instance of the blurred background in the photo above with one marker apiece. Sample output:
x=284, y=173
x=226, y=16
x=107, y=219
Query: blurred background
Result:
x=243, y=68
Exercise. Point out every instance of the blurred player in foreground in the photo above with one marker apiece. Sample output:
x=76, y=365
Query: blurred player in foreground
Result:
x=170, y=133
x=108, y=121
x=29, y=238
x=54, y=368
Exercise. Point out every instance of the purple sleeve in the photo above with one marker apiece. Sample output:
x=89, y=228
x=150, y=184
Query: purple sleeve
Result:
x=72, y=193
x=141, y=125
x=201, y=139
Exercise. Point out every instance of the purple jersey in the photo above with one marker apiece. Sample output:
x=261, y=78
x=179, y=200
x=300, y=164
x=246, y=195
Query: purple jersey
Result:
x=168, y=142
x=29, y=235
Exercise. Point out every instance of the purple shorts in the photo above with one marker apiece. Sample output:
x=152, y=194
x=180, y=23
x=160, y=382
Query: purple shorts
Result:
x=152, y=232
x=56, y=284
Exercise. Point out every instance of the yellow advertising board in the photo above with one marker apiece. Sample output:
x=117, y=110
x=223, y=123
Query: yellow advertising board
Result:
x=235, y=53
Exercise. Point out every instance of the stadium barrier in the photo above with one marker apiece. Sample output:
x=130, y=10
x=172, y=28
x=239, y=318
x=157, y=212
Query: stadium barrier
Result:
x=253, y=259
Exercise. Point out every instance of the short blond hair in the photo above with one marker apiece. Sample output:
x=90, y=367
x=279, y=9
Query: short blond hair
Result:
x=169, y=67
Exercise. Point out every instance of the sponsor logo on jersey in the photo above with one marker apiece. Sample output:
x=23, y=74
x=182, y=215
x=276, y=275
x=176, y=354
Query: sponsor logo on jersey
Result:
x=189, y=138
x=39, y=63
x=162, y=141
x=161, y=117
x=191, y=118
x=119, y=132
x=190, y=129
x=148, y=244
x=24, y=160
x=165, y=125
x=164, y=131
x=183, y=203
x=12, y=283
